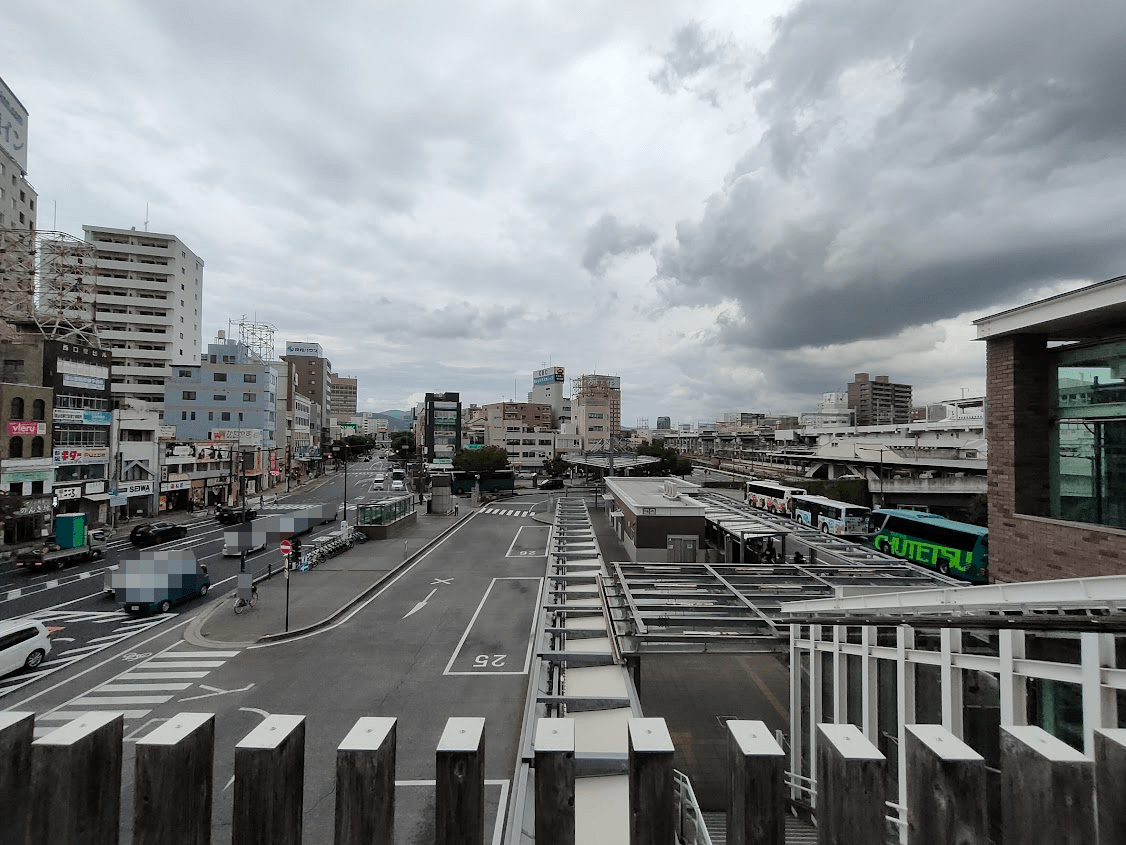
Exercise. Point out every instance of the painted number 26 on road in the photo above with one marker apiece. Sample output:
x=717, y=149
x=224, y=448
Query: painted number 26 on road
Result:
x=484, y=661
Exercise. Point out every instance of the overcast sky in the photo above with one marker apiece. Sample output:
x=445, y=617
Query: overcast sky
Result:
x=733, y=206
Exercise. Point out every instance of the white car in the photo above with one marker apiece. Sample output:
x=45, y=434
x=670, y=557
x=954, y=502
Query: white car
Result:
x=24, y=644
x=398, y=485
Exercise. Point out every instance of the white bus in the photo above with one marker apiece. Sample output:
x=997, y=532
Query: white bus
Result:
x=830, y=516
x=771, y=496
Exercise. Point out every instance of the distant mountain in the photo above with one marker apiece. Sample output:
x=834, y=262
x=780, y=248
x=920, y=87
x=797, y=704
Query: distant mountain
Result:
x=396, y=420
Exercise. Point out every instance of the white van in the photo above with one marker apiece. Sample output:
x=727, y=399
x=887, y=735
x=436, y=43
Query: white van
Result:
x=23, y=644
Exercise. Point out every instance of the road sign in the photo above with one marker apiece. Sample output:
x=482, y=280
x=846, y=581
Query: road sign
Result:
x=284, y=547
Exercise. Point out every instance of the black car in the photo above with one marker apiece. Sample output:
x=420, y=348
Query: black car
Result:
x=152, y=533
x=233, y=515
x=551, y=484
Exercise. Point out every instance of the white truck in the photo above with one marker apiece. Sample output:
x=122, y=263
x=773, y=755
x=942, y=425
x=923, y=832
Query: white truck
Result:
x=73, y=542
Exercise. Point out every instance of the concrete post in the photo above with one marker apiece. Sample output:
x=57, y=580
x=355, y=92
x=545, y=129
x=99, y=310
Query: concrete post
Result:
x=850, y=788
x=365, y=783
x=1110, y=774
x=555, y=781
x=269, y=782
x=16, y=733
x=173, y=776
x=459, y=783
x=652, y=810
x=1047, y=789
x=756, y=763
x=946, y=788
x=76, y=782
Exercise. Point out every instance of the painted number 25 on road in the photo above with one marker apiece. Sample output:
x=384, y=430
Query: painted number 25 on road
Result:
x=484, y=661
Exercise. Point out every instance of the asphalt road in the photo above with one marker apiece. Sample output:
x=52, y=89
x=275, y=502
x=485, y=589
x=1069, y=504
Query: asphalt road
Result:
x=450, y=636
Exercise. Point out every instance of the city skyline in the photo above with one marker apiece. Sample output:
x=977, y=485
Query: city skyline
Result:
x=731, y=208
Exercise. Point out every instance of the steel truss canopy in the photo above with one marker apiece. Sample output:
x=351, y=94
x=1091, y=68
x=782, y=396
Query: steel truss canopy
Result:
x=611, y=460
x=738, y=606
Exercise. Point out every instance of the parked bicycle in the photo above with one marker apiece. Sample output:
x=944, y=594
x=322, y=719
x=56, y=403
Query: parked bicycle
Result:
x=241, y=603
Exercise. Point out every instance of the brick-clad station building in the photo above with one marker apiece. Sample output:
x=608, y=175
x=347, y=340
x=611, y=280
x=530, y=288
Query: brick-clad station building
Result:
x=1056, y=422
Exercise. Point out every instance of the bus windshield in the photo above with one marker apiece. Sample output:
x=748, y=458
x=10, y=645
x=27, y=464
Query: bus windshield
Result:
x=958, y=549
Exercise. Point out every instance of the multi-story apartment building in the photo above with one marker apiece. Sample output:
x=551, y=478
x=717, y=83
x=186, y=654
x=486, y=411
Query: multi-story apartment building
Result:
x=547, y=389
x=27, y=469
x=596, y=402
x=342, y=396
x=314, y=381
x=148, y=291
x=229, y=398
x=437, y=427
x=879, y=401
x=17, y=197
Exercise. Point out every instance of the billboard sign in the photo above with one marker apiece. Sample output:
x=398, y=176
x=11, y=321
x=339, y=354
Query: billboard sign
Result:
x=13, y=126
x=73, y=415
x=81, y=456
x=26, y=429
x=549, y=375
x=303, y=350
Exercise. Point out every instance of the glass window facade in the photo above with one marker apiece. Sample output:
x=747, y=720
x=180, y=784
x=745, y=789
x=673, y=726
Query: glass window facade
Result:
x=1088, y=472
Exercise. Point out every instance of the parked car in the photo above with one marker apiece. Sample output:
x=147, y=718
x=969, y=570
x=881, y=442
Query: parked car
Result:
x=526, y=473
x=551, y=484
x=152, y=533
x=24, y=644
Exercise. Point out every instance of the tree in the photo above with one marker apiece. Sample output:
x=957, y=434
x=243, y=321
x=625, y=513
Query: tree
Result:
x=489, y=459
x=671, y=461
x=556, y=467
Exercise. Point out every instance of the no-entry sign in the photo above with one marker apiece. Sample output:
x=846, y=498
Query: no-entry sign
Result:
x=285, y=547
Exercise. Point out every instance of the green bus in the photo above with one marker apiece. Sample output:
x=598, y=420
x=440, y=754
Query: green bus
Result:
x=957, y=549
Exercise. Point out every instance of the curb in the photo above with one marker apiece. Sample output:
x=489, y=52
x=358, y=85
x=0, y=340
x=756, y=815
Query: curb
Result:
x=364, y=595
x=193, y=633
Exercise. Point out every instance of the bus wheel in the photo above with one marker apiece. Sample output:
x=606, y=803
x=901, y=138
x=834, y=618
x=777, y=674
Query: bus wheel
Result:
x=882, y=545
x=943, y=566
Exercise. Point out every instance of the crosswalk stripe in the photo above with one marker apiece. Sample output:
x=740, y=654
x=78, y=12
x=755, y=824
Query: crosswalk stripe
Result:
x=135, y=674
x=201, y=654
x=149, y=687
x=186, y=664
x=122, y=699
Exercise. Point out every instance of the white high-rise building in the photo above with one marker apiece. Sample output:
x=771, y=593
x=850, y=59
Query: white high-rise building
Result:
x=148, y=302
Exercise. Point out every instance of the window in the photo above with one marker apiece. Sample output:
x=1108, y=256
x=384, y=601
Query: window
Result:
x=219, y=397
x=220, y=377
x=225, y=416
x=189, y=395
x=15, y=447
x=193, y=415
x=183, y=415
x=210, y=416
x=39, y=410
x=1088, y=446
x=249, y=378
x=17, y=408
x=37, y=448
x=184, y=373
x=250, y=397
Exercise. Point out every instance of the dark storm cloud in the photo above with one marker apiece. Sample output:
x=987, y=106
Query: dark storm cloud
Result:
x=919, y=161
x=608, y=238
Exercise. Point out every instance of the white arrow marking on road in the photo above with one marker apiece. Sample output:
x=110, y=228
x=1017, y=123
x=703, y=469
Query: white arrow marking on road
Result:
x=421, y=604
x=216, y=691
x=442, y=581
x=62, y=639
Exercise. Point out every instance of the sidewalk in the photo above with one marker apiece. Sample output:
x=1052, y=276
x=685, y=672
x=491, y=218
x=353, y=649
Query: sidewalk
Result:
x=316, y=596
